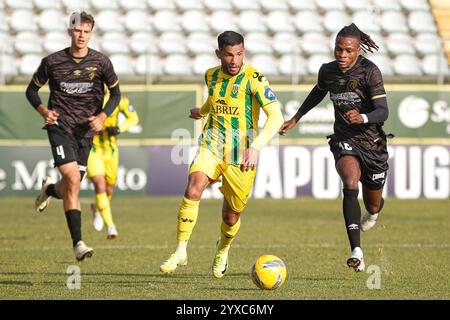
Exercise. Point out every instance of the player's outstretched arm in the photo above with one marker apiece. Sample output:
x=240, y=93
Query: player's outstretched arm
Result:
x=195, y=114
x=198, y=113
x=287, y=125
x=313, y=99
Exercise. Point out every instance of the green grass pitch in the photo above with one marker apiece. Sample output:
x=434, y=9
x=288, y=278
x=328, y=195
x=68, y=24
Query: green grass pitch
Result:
x=410, y=246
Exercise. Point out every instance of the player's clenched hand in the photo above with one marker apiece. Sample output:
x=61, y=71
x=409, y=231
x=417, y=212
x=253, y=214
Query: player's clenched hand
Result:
x=96, y=122
x=287, y=125
x=195, y=114
x=354, y=117
x=250, y=159
x=50, y=116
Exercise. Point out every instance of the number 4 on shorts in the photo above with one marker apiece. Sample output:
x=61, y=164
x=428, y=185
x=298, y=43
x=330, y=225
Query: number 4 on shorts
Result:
x=60, y=151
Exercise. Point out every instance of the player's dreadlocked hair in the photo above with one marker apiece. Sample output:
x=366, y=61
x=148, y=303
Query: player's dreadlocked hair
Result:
x=366, y=43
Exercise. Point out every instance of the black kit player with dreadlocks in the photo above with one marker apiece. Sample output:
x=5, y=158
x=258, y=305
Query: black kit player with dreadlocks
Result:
x=359, y=142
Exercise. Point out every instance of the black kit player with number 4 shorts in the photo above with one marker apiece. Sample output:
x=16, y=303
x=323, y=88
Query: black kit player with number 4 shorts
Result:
x=359, y=143
x=76, y=93
x=74, y=114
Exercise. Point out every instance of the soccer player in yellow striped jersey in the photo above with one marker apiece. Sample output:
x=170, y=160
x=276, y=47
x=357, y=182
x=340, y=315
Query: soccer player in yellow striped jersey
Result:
x=103, y=163
x=229, y=146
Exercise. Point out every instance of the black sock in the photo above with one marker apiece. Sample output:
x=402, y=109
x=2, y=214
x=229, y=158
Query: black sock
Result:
x=352, y=217
x=74, y=222
x=51, y=191
x=381, y=205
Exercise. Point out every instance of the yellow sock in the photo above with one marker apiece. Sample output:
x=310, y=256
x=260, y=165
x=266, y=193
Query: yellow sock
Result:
x=103, y=206
x=227, y=235
x=187, y=217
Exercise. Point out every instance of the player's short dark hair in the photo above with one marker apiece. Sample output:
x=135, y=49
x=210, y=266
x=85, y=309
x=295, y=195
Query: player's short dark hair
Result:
x=366, y=43
x=87, y=18
x=229, y=38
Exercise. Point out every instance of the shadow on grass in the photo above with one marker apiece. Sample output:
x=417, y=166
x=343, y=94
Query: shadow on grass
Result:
x=67, y=262
x=16, y=273
x=220, y=288
x=13, y=238
x=121, y=274
x=147, y=278
x=16, y=283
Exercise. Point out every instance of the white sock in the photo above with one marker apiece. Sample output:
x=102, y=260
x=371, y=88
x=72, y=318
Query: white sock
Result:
x=373, y=216
x=181, y=247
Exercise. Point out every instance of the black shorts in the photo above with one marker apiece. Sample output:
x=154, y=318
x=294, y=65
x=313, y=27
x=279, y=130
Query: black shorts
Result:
x=374, y=163
x=68, y=148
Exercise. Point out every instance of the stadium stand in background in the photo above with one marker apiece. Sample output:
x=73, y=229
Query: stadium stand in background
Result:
x=161, y=41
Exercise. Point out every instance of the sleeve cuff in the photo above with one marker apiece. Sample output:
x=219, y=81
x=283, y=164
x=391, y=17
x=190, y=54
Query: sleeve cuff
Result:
x=364, y=116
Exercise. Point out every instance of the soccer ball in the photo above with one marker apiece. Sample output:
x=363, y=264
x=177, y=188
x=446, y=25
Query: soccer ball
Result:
x=269, y=272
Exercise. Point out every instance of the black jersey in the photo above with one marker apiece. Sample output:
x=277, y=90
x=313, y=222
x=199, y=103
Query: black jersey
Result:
x=76, y=87
x=354, y=89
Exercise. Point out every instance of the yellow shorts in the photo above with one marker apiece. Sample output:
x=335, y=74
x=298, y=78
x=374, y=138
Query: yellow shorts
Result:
x=101, y=163
x=236, y=185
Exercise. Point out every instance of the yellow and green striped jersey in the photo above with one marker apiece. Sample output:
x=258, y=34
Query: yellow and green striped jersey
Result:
x=104, y=140
x=233, y=105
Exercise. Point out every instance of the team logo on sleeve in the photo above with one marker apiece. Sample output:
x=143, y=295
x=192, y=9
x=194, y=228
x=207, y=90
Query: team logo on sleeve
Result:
x=268, y=93
x=130, y=108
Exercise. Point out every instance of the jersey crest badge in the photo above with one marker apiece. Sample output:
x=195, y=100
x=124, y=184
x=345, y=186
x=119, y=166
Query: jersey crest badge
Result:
x=234, y=89
x=352, y=84
x=91, y=72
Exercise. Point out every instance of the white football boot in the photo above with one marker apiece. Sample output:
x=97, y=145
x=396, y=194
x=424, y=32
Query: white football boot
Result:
x=356, y=260
x=368, y=221
x=82, y=251
x=43, y=200
x=98, y=220
x=112, y=233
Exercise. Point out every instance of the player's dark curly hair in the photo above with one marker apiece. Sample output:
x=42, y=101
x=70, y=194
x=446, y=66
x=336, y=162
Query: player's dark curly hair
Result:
x=229, y=38
x=366, y=43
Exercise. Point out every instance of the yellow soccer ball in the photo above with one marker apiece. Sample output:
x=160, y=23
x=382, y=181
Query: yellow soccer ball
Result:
x=269, y=272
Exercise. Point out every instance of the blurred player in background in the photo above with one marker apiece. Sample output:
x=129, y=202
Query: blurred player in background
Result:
x=104, y=161
x=229, y=146
x=359, y=142
x=77, y=76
